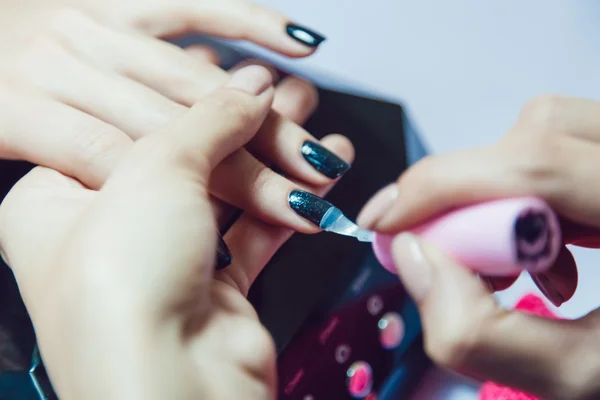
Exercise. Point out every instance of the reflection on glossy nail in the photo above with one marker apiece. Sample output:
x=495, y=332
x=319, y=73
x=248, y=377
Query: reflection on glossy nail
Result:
x=304, y=35
x=224, y=258
x=324, y=160
x=308, y=206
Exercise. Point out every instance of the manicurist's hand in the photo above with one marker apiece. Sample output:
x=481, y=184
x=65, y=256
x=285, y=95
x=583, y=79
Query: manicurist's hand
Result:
x=120, y=282
x=552, y=152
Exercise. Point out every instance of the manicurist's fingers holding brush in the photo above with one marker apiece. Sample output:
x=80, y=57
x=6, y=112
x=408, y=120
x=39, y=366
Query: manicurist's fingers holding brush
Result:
x=553, y=153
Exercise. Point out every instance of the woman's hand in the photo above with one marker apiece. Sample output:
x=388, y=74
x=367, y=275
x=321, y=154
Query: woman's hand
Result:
x=121, y=287
x=84, y=79
x=552, y=152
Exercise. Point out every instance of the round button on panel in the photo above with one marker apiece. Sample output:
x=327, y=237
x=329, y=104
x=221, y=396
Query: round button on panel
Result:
x=360, y=379
x=375, y=305
x=342, y=353
x=391, y=330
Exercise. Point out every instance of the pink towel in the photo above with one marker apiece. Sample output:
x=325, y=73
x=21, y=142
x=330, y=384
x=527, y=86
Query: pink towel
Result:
x=490, y=391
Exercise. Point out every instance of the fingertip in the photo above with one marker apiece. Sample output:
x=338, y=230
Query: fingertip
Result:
x=296, y=99
x=376, y=207
x=253, y=79
x=339, y=145
x=252, y=61
x=414, y=269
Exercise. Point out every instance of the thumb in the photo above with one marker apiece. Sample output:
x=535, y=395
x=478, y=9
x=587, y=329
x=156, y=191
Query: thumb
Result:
x=466, y=330
x=226, y=120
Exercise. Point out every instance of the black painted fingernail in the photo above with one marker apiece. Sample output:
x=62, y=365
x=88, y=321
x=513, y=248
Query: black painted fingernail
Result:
x=324, y=160
x=304, y=35
x=308, y=206
x=223, y=254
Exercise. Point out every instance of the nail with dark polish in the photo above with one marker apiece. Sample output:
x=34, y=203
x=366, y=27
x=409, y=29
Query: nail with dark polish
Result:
x=224, y=258
x=303, y=35
x=324, y=160
x=308, y=206
x=548, y=289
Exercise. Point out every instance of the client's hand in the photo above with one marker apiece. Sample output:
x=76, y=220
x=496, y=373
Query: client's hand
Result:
x=120, y=283
x=82, y=80
x=552, y=152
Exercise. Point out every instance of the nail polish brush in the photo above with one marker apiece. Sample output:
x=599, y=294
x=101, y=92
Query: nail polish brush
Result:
x=496, y=238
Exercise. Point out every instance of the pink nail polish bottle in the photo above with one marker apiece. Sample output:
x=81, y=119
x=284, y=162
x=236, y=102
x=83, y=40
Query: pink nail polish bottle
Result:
x=497, y=238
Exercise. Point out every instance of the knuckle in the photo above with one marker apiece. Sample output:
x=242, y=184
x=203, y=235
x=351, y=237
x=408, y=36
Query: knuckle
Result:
x=96, y=145
x=256, y=347
x=38, y=49
x=262, y=181
x=229, y=107
x=237, y=278
x=42, y=46
x=458, y=338
x=538, y=158
x=544, y=112
x=451, y=348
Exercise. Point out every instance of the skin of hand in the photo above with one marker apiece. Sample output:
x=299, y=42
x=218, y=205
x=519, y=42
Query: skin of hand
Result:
x=121, y=286
x=552, y=152
x=83, y=80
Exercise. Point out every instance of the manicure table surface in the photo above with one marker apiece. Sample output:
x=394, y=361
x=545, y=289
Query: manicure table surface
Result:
x=462, y=69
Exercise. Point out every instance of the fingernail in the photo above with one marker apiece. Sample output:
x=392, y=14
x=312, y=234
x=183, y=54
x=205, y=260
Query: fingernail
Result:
x=252, y=79
x=413, y=266
x=324, y=160
x=308, y=206
x=224, y=258
x=377, y=206
x=304, y=35
x=559, y=283
x=547, y=288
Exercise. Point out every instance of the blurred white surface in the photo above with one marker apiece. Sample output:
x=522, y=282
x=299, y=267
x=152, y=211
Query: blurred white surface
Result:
x=463, y=69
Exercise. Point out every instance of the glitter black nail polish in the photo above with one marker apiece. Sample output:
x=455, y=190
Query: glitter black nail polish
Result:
x=324, y=160
x=224, y=258
x=308, y=206
x=303, y=35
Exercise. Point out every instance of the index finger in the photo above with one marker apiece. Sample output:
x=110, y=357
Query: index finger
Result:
x=541, y=167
